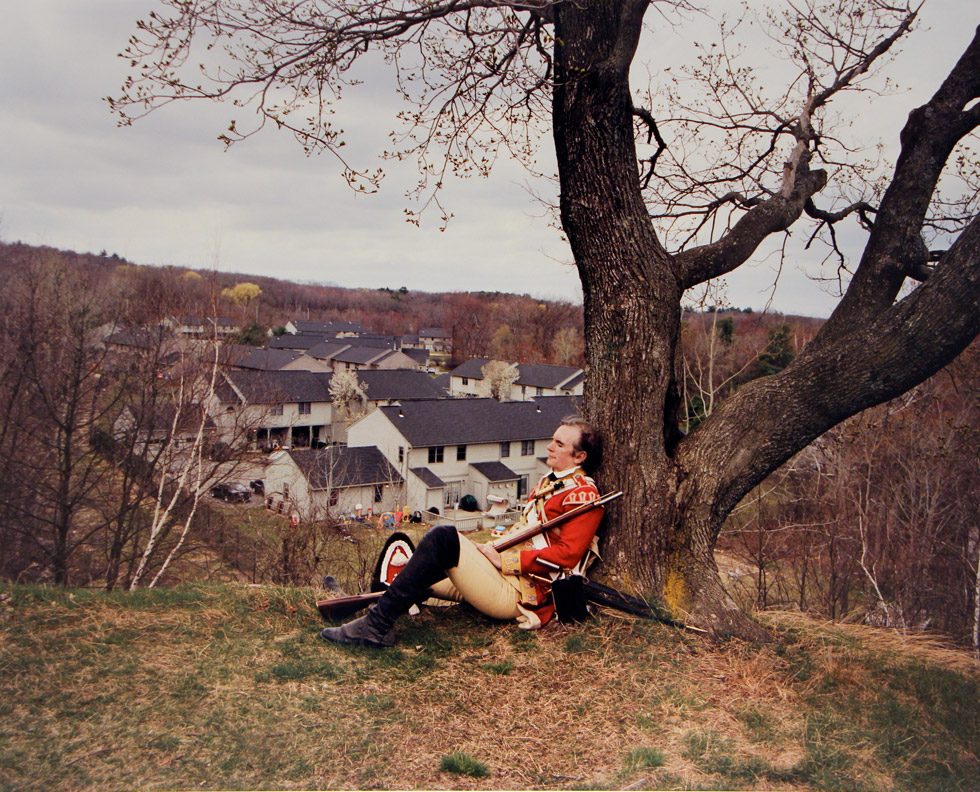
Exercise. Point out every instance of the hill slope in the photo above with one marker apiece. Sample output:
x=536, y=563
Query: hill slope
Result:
x=228, y=687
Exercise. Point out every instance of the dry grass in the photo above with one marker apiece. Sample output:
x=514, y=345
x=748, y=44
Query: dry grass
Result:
x=228, y=687
x=924, y=647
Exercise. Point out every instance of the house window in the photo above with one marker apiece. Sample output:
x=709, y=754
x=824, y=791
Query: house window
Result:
x=466, y=380
x=436, y=454
x=401, y=454
x=460, y=453
x=334, y=497
x=505, y=449
x=305, y=408
x=378, y=492
x=539, y=391
x=527, y=448
x=276, y=409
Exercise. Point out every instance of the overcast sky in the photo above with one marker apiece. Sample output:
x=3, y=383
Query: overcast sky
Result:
x=165, y=192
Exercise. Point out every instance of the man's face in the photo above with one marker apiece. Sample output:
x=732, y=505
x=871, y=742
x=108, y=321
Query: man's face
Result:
x=561, y=450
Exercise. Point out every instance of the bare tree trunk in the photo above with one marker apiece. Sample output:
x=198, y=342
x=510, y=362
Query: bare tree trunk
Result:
x=976, y=603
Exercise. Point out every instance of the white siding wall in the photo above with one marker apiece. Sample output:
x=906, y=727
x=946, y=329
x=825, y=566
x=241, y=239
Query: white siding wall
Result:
x=314, y=504
x=398, y=360
x=473, y=386
x=261, y=416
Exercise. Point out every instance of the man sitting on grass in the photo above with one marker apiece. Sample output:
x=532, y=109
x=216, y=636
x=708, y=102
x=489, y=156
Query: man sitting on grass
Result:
x=515, y=584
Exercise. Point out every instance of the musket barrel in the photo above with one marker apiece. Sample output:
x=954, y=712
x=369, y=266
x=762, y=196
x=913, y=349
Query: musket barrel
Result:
x=507, y=542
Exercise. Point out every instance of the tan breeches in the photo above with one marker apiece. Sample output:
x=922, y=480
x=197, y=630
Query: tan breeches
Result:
x=476, y=581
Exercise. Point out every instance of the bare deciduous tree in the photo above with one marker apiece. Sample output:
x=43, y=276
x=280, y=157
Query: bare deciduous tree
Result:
x=735, y=165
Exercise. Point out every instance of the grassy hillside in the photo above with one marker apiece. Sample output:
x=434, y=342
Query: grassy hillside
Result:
x=228, y=687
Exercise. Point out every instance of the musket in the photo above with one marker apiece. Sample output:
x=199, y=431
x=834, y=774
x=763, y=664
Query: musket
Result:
x=341, y=607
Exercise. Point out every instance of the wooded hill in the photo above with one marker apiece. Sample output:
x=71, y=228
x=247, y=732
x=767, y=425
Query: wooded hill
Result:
x=513, y=327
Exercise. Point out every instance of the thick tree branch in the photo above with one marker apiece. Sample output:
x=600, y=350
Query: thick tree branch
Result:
x=772, y=215
x=767, y=421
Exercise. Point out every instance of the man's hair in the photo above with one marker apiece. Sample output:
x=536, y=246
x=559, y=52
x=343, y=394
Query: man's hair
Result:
x=590, y=441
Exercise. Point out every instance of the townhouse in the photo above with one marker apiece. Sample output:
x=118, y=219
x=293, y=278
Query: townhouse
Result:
x=533, y=380
x=320, y=483
x=445, y=449
x=275, y=408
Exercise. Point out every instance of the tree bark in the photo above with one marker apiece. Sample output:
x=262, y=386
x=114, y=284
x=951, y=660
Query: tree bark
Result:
x=632, y=295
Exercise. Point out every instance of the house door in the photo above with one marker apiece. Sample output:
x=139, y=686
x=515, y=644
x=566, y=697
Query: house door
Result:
x=454, y=491
x=522, y=487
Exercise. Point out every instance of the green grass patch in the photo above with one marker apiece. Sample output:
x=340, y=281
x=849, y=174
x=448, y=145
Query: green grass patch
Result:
x=523, y=641
x=643, y=759
x=463, y=764
x=575, y=644
x=503, y=668
x=301, y=669
x=376, y=703
x=759, y=724
x=716, y=754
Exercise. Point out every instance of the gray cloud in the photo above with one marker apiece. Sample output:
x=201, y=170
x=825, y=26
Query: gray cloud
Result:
x=165, y=191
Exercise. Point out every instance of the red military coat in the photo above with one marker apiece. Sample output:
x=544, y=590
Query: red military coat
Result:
x=529, y=568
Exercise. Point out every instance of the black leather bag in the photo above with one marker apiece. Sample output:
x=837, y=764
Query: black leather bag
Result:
x=568, y=593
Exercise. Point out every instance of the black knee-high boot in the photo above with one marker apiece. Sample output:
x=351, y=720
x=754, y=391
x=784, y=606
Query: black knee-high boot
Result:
x=437, y=553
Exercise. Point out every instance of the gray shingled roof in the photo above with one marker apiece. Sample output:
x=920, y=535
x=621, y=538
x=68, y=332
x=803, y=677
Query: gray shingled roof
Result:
x=376, y=340
x=261, y=359
x=418, y=355
x=327, y=350
x=361, y=355
x=297, y=341
x=533, y=375
x=340, y=466
x=536, y=375
x=326, y=328
x=430, y=479
x=400, y=384
x=276, y=387
x=434, y=332
x=495, y=471
x=471, y=368
x=160, y=418
x=461, y=421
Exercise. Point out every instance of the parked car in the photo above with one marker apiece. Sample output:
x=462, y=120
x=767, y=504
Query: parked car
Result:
x=231, y=492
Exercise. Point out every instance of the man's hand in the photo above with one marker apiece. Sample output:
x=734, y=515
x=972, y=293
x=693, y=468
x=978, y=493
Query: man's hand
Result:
x=490, y=553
